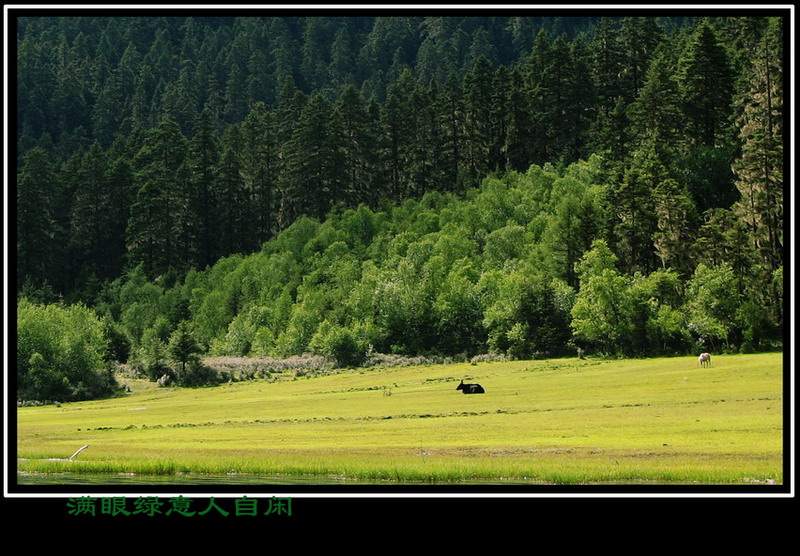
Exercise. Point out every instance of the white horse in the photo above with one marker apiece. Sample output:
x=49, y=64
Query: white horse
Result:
x=704, y=360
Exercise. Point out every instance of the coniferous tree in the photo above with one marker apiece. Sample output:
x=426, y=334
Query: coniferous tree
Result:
x=230, y=199
x=706, y=84
x=313, y=175
x=479, y=112
x=180, y=99
x=106, y=115
x=571, y=230
x=577, y=105
x=606, y=66
x=260, y=83
x=183, y=347
x=675, y=215
x=142, y=114
x=260, y=171
x=434, y=60
x=291, y=102
x=634, y=210
x=424, y=147
x=98, y=217
x=159, y=213
x=638, y=39
x=655, y=115
x=397, y=128
x=358, y=147
x=284, y=51
x=722, y=238
x=759, y=170
x=192, y=38
x=69, y=101
x=449, y=109
x=517, y=139
x=201, y=161
x=35, y=82
x=37, y=228
x=160, y=54
x=342, y=68
x=235, y=108
x=314, y=65
x=538, y=85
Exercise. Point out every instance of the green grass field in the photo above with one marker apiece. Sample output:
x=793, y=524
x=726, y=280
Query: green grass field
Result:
x=562, y=421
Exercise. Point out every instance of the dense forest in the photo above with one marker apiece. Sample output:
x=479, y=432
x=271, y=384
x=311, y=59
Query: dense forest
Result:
x=416, y=185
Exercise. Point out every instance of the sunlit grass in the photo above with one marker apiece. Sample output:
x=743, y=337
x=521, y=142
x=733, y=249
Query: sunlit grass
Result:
x=554, y=422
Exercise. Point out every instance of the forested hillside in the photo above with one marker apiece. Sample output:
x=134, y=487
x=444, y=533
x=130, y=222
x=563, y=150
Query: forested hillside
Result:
x=528, y=186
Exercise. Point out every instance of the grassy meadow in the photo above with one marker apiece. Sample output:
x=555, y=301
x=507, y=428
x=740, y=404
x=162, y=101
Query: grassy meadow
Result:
x=559, y=421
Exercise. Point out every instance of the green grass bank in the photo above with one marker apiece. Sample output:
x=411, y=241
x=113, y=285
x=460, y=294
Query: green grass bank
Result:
x=559, y=421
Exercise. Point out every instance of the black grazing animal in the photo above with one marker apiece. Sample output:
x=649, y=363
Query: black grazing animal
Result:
x=470, y=388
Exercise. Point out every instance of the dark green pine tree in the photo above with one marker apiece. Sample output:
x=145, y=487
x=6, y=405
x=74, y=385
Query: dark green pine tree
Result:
x=609, y=134
x=522, y=30
x=424, y=150
x=113, y=108
x=260, y=171
x=260, y=81
x=183, y=347
x=141, y=102
x=342, y=68
x=538, y=85
x=180, y=99
x=314, y=65
x=313, y=179
x=285, y=52
x=235, y=96
x=481, y=47
x=291, y=102
x=358, y=147
x=577, y=104
x=389, y=34
x=69, y=101
x=192, y=39
x=431, y=62
x=572, y=229
x=231, y=201
x=606, y=66
x=706, y=85
x=676, y=222
x=449, y=113
x=36, y=79
x=397, y=123
x=201, y=162
x=98, y=217
x=161, y=54
x=38, y=233
x=722, y=238
x=638, y=39
x=655, y=115
x=480, y=119
x=759, y=170
x=501, y=107
x=633, y=204
x=158, y=221
x=557, y=75
x=517, y=139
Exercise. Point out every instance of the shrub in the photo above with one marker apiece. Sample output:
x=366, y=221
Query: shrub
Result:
x=195, y=373
x=339, y=343
x=60, y=353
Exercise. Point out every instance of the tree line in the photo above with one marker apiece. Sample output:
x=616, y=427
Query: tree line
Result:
x=146, y=194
